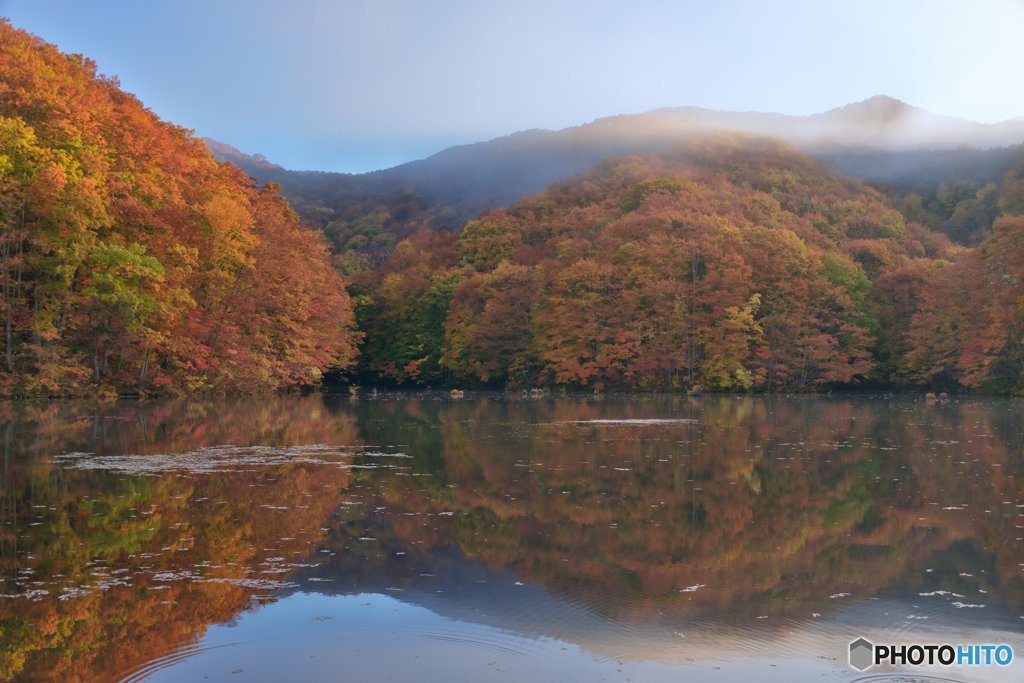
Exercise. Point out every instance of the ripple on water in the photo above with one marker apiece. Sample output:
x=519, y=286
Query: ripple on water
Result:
x=176, y=657
x=382, y=650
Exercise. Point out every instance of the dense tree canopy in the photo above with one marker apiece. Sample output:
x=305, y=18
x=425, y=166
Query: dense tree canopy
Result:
x=732, y=264
x=130, y=258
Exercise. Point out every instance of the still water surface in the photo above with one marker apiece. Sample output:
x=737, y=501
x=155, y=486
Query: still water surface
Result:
x=416, y=538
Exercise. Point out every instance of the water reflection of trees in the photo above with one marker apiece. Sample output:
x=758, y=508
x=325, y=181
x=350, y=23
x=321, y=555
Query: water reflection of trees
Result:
x=134, y=567
x=773, y=504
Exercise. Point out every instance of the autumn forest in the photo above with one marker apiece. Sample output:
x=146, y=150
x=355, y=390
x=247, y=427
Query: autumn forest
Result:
x=133, y=262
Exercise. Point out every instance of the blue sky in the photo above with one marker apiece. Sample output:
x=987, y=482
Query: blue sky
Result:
x=355, y=85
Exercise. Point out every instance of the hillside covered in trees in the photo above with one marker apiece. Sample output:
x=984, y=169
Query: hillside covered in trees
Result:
x=734, y=264
x=129, y=258
x=132, y=261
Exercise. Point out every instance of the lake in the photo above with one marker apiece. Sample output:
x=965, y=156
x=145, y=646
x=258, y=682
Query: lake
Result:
x=419, y=538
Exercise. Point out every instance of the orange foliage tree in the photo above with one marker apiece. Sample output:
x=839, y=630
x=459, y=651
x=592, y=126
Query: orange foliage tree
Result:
x=130, y=258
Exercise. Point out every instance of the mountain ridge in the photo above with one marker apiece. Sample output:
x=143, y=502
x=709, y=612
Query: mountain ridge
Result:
x=873, y=140
x=878, y=122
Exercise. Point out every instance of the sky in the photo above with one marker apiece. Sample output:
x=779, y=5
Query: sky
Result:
x=357, y=85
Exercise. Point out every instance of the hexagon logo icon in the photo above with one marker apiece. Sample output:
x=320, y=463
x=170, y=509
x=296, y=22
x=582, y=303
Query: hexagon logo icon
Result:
x=862, y=654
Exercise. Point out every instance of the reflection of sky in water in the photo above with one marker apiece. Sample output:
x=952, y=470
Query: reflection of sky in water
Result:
x=373, y=637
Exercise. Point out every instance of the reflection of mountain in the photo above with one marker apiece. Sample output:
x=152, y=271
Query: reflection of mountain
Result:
x=468, y=592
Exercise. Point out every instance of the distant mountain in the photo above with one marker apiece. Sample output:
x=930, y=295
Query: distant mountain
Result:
x=879, y=139
x=225, y=153
x=879, y=123
x=884, y=122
